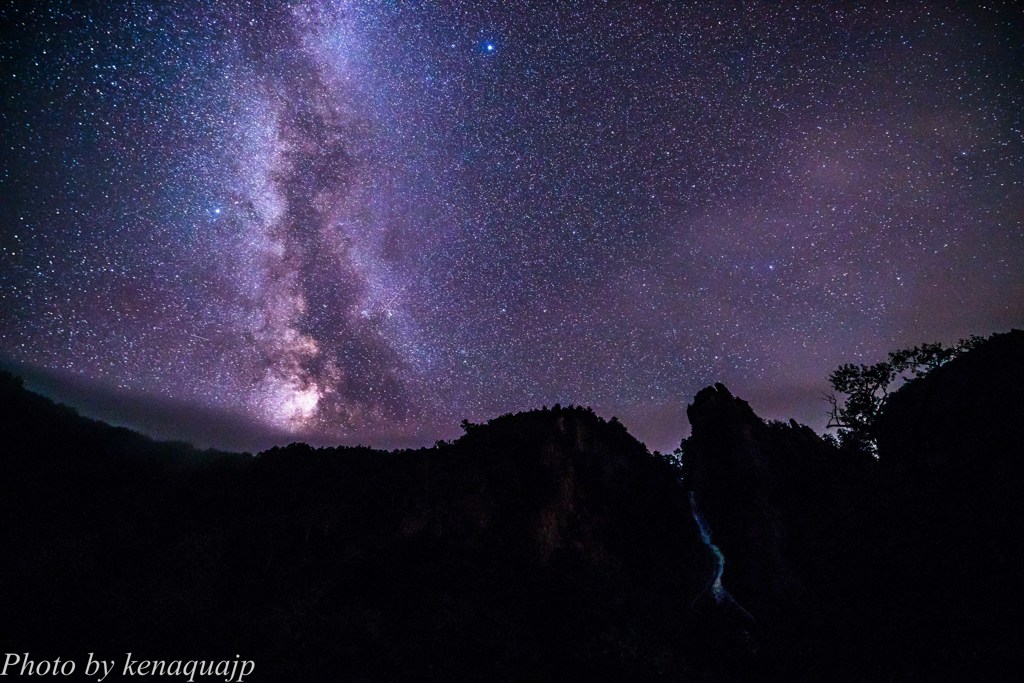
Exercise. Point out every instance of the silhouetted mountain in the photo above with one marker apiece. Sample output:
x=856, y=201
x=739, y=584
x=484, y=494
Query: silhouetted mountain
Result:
x=541, y=545
x=547, y=545
x=900, y=568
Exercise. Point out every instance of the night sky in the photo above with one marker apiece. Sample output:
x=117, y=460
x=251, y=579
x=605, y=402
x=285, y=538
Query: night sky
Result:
x=361, y=222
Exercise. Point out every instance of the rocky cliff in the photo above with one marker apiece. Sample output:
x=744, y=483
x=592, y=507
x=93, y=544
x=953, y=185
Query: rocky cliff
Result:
x=904, y=567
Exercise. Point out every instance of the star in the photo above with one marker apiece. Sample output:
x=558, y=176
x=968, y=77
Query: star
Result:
x=398, y=239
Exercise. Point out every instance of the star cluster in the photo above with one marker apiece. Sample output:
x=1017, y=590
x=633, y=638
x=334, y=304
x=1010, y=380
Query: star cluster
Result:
x=365, y=221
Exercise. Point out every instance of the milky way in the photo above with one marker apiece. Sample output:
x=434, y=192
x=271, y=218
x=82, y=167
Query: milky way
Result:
x=365, y=221
x=308, y=259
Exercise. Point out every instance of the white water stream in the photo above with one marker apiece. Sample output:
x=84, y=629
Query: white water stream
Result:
x=718, y=591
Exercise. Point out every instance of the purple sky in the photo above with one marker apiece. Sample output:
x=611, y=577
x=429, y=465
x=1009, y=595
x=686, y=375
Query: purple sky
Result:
x=354, y=222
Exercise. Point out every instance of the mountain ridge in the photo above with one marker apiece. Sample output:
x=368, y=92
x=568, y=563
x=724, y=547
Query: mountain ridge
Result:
x=539, y=545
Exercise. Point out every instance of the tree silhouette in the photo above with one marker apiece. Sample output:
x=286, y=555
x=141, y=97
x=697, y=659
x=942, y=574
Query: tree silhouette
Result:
x=867, y=388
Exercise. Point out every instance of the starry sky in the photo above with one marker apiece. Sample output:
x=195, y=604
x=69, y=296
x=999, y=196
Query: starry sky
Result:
x=361, y=222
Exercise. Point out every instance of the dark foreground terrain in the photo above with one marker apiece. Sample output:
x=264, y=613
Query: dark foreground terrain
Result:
x=543, y=546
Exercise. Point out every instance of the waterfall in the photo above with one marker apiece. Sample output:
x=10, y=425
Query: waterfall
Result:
x=718, y=591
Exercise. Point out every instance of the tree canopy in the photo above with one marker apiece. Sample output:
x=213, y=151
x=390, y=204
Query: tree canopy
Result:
x=867, y=387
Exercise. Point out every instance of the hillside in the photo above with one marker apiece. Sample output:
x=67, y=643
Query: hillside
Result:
x=548, y=543
x=545, y=545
